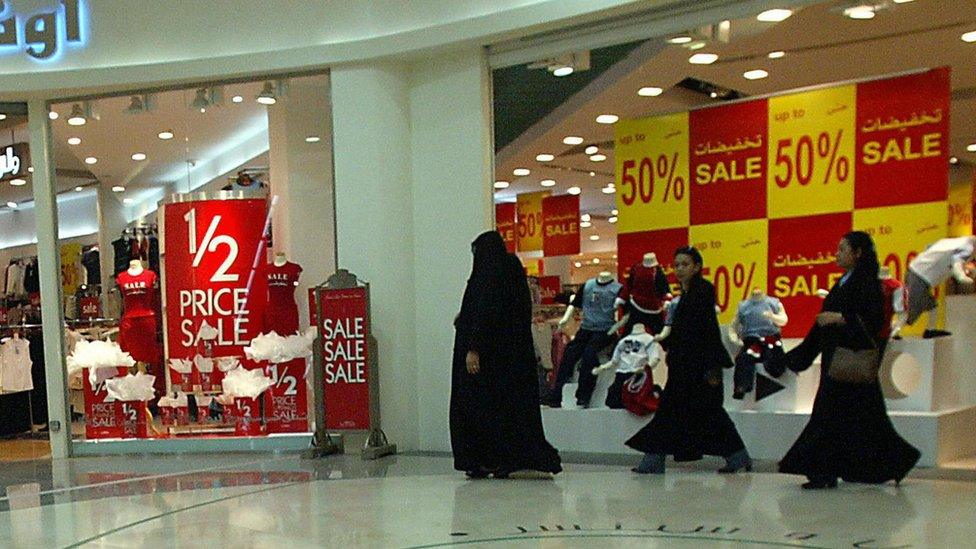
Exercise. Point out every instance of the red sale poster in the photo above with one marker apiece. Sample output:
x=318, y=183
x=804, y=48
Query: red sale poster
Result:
x=505, y=224
x=560, y=225
x=344, y=327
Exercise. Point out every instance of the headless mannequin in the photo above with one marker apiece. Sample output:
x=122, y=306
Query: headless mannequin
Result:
x=280, y=259
x=900, y=314
x=650, y=261
x=604, y=277
x=638, y=329
x=780, y=319
x=135, y=267
x=758, y=341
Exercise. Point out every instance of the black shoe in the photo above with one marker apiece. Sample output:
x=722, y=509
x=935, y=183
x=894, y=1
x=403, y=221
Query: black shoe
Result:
x=582, y=404
x=819, y=484
x=737, y=461
x=929, y=334
x=478, y=473
x=551, y=403
x=738, y=395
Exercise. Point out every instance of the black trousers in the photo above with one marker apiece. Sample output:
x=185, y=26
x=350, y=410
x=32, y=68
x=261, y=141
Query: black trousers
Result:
x=584, y=348
x=745, y=363
x=653, y=322
x=614, y=393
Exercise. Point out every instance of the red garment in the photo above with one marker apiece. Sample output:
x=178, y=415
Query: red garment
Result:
x=281, y=314
x=137, y=336
x=138, y=293
x=890, y=286
x=646, y=287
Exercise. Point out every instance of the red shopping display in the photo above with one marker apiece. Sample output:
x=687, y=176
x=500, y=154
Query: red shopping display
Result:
x=345, y=330
x=639, y=395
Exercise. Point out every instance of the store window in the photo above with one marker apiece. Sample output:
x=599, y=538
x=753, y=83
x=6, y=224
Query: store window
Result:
x=193, y=222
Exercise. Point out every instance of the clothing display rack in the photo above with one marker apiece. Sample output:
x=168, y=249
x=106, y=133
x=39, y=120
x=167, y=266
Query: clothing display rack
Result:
x=14, y=403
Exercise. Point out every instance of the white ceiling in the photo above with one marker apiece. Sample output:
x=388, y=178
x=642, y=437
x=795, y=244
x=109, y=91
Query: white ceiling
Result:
x=822, y=46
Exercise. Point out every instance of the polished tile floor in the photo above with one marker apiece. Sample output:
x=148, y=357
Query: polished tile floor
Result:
x=418, y=501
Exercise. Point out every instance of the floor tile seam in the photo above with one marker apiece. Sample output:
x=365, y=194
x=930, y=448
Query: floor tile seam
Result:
x=175, y=511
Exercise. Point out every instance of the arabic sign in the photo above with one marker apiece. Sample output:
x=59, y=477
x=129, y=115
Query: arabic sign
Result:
x=39, y=35
x=903, y=140
x=728, y=163
x=560, y=224
x=631, y=248
x=505, y=224
x=735, y=260
x=961, y=208
x=14, y=160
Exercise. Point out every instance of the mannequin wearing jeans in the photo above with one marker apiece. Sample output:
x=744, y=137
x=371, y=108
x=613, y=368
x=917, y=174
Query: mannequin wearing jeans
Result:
x=597, y=299
x=757, y=322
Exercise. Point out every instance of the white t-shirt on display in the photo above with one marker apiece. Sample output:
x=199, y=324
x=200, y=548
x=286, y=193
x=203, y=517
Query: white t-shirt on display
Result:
x=15, y=365
x=634, y=351
x=934, y=265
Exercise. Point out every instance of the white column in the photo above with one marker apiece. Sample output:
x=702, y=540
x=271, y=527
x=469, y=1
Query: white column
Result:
x=49, y=268
x=301, y=177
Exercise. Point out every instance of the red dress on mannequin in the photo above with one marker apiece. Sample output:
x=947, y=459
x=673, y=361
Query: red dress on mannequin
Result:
x=281, y=314
x=137, y=331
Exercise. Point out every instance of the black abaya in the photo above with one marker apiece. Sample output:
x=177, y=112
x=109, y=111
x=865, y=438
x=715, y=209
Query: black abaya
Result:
x=849, y=434
x=495, y=419
x=690, y=421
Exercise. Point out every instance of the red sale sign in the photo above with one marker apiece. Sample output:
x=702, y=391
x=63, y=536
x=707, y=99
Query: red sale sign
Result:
x=286, y=402
x=903, y=140
x=560, y=225
x=344, y=328
x=214, y=275
x=90, y=307
x=102, y=419
x=549, y=287
x=505, y=224
x=728, y=162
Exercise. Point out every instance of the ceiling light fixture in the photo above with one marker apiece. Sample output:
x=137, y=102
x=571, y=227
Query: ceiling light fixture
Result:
x=545, y=157
x=3, y=116
x=548, y=182
x=574, y=190
x=18, y=182
x=237, y=99
x=313, y=139
x=79, y=188
x=679, y=40
x=969, y=37
x=53, y=115
x=776, y=54
x=501, y=184
x=585, y=224
x=74, y=141
x=77, y=117
x=91, y=160
x=592, y=149
x=971, y=147
x=577, y=264
x=118, y=189
x=614, y=211
x=598, y=157
x=607, y=118
x=200, y=102
x=267, y=95
x=138, y=156
x=573, y=140
x=165, y=134
x=609, y=189
x=903, y=1
x=563, y=71
x=585, y=217
x=713, y=95
x=521, y=172
x=703, y=59
x=650, y=91
x=612, y=219
x=953, y=160
x=30, y=169
x=755, y=74
x=594, y=237
x=774, y=16
x=12, y=205
x=127, y=201
x=596, y=260
x=860, y=12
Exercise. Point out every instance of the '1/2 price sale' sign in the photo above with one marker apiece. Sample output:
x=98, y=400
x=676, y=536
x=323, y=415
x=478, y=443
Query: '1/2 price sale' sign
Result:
x=345, y=330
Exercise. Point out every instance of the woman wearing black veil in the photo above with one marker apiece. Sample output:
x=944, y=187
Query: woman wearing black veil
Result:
x=849, y=434
x=496, y=425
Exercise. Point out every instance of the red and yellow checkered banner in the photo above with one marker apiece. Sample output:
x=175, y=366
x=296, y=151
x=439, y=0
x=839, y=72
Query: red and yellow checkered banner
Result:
x=766, y=188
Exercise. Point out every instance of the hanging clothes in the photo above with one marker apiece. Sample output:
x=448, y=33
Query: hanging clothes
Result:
x=91, y=260
x=15, y=365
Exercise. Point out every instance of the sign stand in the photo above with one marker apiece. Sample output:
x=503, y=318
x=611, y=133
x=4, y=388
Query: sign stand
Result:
x=337, y=288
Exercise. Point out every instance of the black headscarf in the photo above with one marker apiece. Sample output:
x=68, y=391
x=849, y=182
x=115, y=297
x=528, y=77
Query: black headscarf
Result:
x=867, y=266
x=490, y=254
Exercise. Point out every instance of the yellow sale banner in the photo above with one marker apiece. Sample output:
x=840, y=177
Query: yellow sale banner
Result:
x=811, y=147
x=529, y=219
x=735, y=255
x=652, y=167
x=961, y=209
x=898, y=242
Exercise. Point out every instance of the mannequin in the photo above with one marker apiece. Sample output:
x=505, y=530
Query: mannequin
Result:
x=597, y=298
x=756, y=328
x=929, y=269
x=281, y=314
x=896, y=303
x=644, y=294
x=631, y=354
x=138, y=328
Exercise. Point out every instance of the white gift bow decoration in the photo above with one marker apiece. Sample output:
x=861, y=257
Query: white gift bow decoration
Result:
x=138, y=387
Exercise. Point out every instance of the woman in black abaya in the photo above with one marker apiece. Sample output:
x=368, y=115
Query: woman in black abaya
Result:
x=496, y=425
x=690, y=421
x=849, y=435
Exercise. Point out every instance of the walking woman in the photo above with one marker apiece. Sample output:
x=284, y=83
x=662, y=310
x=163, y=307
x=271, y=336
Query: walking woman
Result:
x=496, y=425
x=849, y=435
x=690, y=421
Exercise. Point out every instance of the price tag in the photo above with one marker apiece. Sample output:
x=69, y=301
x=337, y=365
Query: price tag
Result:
x=735, y=260
x=811, y=151
x=652, y=173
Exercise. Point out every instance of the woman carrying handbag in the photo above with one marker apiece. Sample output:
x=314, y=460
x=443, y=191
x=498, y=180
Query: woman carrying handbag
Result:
x=849, y=435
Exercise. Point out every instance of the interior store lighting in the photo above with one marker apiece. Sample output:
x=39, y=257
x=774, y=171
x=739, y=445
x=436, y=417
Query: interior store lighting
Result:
x=592, y=174
x=592, y=149
x=614, y=211
x=30, y=169
x=607, y=118
x=574, y=190
x=860, y=12
x=18, y=182
x=594, y=237
x=573, y=140
x=12, y=205
x=776, y=54
x=969, y=37
x=679, y=40
x=53, y=115
x=118, y=189
x=313, y=139
x=971, y=147
x=501, y=184
x=596, y=260
x=586, y=224
x=237, y=99
x=267, y=95
x=609, y=189
x=650, y=91
x=201, y=102
x=545, y=157
x=91, y=160
x=79, y=188
x=612, y=219
x=755, y=74
x=563, y=71
x=774, y=15
x=77, y=117
x=577, y=264
x=598, y=158
x=127, y=201
x=585, y=217
x=703, y=59
x=548, y=182
x=136, y=105
x=521, y=172
x=903, y=1
x=953, y=160
x=165, y=134
x=138, y=156
x=74, y=141
x=3, y=116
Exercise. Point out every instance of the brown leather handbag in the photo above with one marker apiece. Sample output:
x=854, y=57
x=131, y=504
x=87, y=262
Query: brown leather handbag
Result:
x=850, y=366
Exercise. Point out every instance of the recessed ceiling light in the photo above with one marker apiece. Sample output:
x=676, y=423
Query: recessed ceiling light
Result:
x=953, y=160
x=774, y=16
x=596, y=260
x=650, y=91
x=679, y=40
x=592, y=149
x=53, y=115
x=30, y=169
x=713, y=95
x=696, y=46
x=501, y=184
x=586, y=224
x=548, y=182
x=563, y=71
x=545, y=157
x=969, y=36
x=614, y=211
x=703, y=59
x=313, y=139
x=903, y=1
x=74, y=141
x=612, y=219
x=860, y=12
x=79, y=188
x=77, y=117
x=521, y=172
x=585, y=217
x=91, y=160
x=598, y=157
x=165, y=134
x=12, y=205
x=776, y=54
x=573, y=140
x=3, y=116
x=574, y=190
x=237, y=99
x=18, y=182
x=607, y=118
x=971, y=147
x=594, y=237
x=577, y=264
x=127, y=201
x=267, y=95
x=755, y=74
x=118, y=189
x=139, y=156
x=609, y=189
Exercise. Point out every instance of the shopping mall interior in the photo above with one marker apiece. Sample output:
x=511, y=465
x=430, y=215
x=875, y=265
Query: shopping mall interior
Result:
x=184, y=358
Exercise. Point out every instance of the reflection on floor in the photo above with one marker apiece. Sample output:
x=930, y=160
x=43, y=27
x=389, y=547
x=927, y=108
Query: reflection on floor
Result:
x=419, y=501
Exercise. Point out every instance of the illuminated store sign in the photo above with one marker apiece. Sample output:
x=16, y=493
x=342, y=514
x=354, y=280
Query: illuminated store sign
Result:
x=41, y=35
